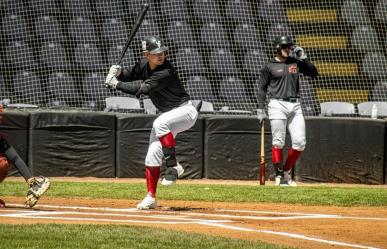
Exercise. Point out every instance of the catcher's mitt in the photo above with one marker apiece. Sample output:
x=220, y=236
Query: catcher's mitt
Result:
x=4, y=167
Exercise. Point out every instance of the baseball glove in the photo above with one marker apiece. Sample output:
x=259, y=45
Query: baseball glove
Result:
x=4, y=167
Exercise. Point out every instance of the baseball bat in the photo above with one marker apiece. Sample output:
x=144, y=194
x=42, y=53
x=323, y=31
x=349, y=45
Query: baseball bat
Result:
x=133, y=31
x=262, y=163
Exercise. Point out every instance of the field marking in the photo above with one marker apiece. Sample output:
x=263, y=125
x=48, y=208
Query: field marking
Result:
x=182, y=218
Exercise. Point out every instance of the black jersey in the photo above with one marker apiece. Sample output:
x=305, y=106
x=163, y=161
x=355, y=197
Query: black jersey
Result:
x=166, y=92
x=280, y=80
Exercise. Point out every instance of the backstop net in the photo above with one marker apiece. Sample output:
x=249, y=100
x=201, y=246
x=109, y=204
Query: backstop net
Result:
x=56, y=54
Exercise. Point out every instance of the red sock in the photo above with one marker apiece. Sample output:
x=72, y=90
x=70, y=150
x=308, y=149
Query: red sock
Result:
x=152, y=175
x=293, y=155
x=168, y=140
x=276, y=155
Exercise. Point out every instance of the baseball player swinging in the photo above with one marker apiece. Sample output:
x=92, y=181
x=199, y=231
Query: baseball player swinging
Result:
x=280, y=82
x=161, y=82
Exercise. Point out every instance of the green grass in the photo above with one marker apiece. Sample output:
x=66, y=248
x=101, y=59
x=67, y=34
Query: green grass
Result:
x=111, y=236
x=310, y=195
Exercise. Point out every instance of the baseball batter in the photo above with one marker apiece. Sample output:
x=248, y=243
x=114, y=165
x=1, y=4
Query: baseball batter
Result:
x=280, y=82
x=162, y=84
x=37, y=185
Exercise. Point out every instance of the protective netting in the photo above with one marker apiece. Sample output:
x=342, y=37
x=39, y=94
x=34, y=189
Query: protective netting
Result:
x=56, y=54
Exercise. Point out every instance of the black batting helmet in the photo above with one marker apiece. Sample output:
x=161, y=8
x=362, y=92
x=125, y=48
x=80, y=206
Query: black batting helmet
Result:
x=153, y=45
x=281, y=41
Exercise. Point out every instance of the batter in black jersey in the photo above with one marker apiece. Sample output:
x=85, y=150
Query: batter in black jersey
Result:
x=159, y=81
x=279, y=81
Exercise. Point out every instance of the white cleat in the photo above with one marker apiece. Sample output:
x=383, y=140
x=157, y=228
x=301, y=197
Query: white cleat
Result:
x=287, y=181
x=171, y=175
x=278, y=181
x=147, y=203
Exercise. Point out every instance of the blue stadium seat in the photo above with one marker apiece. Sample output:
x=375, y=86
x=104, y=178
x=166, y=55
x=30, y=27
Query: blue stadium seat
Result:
x=223, y=62
x=81, y=30
x=175, y=10
x=247, y=36
x=214, y=35
x=374, y=66
x=20, y=56
x=89, y=58
x=207, y=11
x=278, y=29
x=147, y=28
x=93, y=87
x=135, y=7
x=15, y=28
x=381, y=11
x=271, y=11
x=180, y=33
x=110, y=9
x=254, y=60
x=78, y=8
x=13, y=7
x=232, y=89
x=53, y=57
x=62, y=89
x=114, y=31
x=27, y=88
x=198, y=87
x=379, y=91
x=354, y=13
x=239, y=11
x=189, y=62
x=365, y=39
x=45, y=7
x=115, y=53
x=48, y=29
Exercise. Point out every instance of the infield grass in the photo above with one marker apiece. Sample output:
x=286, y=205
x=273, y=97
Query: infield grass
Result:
x=306, y=195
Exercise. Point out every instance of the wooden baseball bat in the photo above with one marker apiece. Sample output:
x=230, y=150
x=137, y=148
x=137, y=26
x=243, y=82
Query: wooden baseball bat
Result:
x=262, y=162
x=134, y=30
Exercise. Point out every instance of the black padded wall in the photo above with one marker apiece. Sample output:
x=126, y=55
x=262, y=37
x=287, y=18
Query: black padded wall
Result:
x=72, y=144
x=343, y=150
x=132, y=145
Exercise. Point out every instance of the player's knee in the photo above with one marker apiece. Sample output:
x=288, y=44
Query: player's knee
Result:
x=299, y=145
x=278, y=144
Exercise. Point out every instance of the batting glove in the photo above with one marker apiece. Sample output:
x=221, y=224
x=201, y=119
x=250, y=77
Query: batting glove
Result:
x=111, y=81
x=144, y=89
x=298, y=53
x=115, y=70
x=261, y=115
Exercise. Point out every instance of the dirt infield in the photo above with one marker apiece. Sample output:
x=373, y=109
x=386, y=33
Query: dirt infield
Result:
x=292, y=225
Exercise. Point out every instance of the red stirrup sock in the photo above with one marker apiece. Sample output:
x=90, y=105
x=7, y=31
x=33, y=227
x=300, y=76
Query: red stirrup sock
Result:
x=152, y=175
x=293, y=155
x=168, y=140
x=276, y=155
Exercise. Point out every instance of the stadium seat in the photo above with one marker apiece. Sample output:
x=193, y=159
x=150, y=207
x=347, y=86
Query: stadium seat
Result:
x=232, y=90
x=175, y=10
x=147, y=28
x=247, y=36
x=114, y=54
x=27, y=88
x=365, y=39
x=123, y=103
x=149, y=107
x=110, y=9
x=379, y=91
x=381, y=11
x=48, y=29
x=278, y=29
x=180, y=33
x=78, y=8
x=271, y=11
x=189, y=62
x=239, y=11
x=62, y=90
x=81, y=30
x=52, y=57
x=94, y=89
x=207, y=11
x=337, y=108
x=20, y=56
x=198, y=87
x=114, y=31
x=88, y=58
x=45, y=7
x=214, y=36
x=15, y=28
x=223, y=62
x=135, y=7
x=254, y=60
x=374, y=66
x=354, y=13
x=308, y=98
x=365, y=108
x=13, y=7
